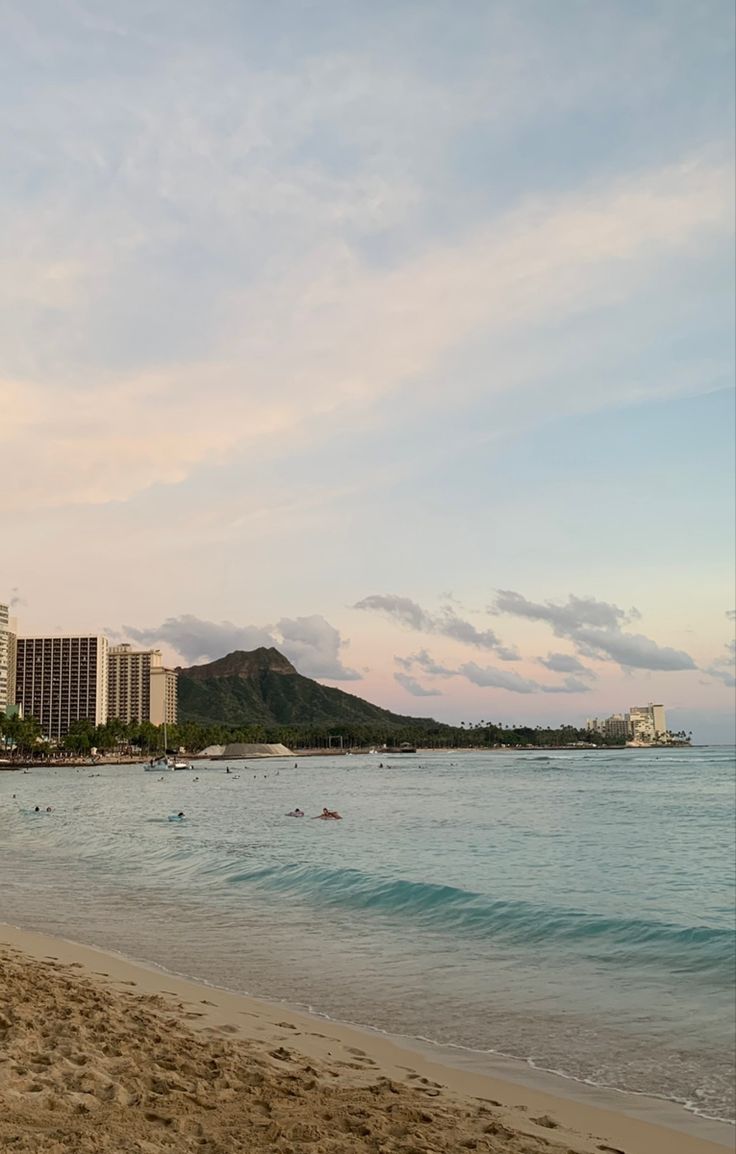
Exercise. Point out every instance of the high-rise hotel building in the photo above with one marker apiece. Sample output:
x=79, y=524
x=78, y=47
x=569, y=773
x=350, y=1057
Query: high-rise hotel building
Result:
x=7, y=659
x=60, y=680
x=139, y=688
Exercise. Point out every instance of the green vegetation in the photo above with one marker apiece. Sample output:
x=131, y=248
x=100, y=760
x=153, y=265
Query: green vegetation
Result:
x=23, y=741
x=260, y=697
x=271, y=698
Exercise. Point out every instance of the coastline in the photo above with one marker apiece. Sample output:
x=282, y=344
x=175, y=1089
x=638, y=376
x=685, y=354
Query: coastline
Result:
x=574, y=1116
x=113, y=759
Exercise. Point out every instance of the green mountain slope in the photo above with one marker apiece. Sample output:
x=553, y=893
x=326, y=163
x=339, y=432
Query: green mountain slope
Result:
x=262, y=687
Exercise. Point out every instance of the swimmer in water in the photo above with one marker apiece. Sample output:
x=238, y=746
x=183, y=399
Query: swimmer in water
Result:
x=329, y=815
x=37, y=809
x=296, y=812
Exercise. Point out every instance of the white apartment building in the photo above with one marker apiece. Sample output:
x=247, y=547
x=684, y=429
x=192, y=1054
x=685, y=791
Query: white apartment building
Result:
x=645, y=723
x=7, y=658
x=60, y=680
x=139, y=688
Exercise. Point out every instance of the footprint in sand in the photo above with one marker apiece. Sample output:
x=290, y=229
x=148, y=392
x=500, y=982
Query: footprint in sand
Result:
x=160, y=1118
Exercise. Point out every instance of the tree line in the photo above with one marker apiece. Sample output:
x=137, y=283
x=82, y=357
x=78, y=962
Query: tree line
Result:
x=22, y=737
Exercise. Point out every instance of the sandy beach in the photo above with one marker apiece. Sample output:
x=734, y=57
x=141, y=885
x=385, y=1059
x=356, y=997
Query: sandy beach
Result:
x=99, y=1053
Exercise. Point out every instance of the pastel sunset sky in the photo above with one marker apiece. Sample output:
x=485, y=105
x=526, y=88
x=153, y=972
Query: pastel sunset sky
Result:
x=396, y=334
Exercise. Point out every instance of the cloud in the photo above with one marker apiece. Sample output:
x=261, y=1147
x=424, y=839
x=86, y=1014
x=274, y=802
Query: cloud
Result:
x=569, y=684
x=314, y=647
x=565, y=663
x=487, y=676
x=401, y=609
x=143, y=292
x=201, y=640
x=311, y=643
x=412, y=686
x=425, y=662
x=595, y=628
x=723, y=668
x=446, y=623
x=632, y=650
x=490, y=677
x=577, y=612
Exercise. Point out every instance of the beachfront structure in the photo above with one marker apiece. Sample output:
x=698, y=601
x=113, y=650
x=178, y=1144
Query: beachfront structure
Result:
x=643, y=723
x=139, y=688
x=60, y=680
x=647, y=722
x=7, y=659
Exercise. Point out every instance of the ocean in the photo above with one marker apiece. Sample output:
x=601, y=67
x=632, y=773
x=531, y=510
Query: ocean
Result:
x=573, y=909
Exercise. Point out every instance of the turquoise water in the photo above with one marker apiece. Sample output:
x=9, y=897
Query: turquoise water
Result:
x=573, y=909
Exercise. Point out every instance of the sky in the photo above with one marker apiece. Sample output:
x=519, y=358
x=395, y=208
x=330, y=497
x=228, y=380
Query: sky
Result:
x=397, y=335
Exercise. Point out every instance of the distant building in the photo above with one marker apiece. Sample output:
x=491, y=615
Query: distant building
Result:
x=643, y=723
x=647, y=722
x=60, y=680
x=139, y=688
x=163, y=696
x=7, y=659
x=616, y=725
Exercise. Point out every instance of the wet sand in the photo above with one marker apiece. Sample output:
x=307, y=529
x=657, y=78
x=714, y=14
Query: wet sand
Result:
x=98, y=1053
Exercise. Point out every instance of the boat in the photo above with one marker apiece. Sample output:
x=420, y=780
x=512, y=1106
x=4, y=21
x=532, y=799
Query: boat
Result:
x=158, y=765
x=163, y=761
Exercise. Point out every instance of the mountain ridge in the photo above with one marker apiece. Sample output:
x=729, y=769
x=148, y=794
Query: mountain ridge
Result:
x=242, y=663
x=261, y=686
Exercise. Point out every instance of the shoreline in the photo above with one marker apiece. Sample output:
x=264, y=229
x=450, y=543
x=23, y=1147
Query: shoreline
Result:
x=589, y=1117
x=114, y=759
